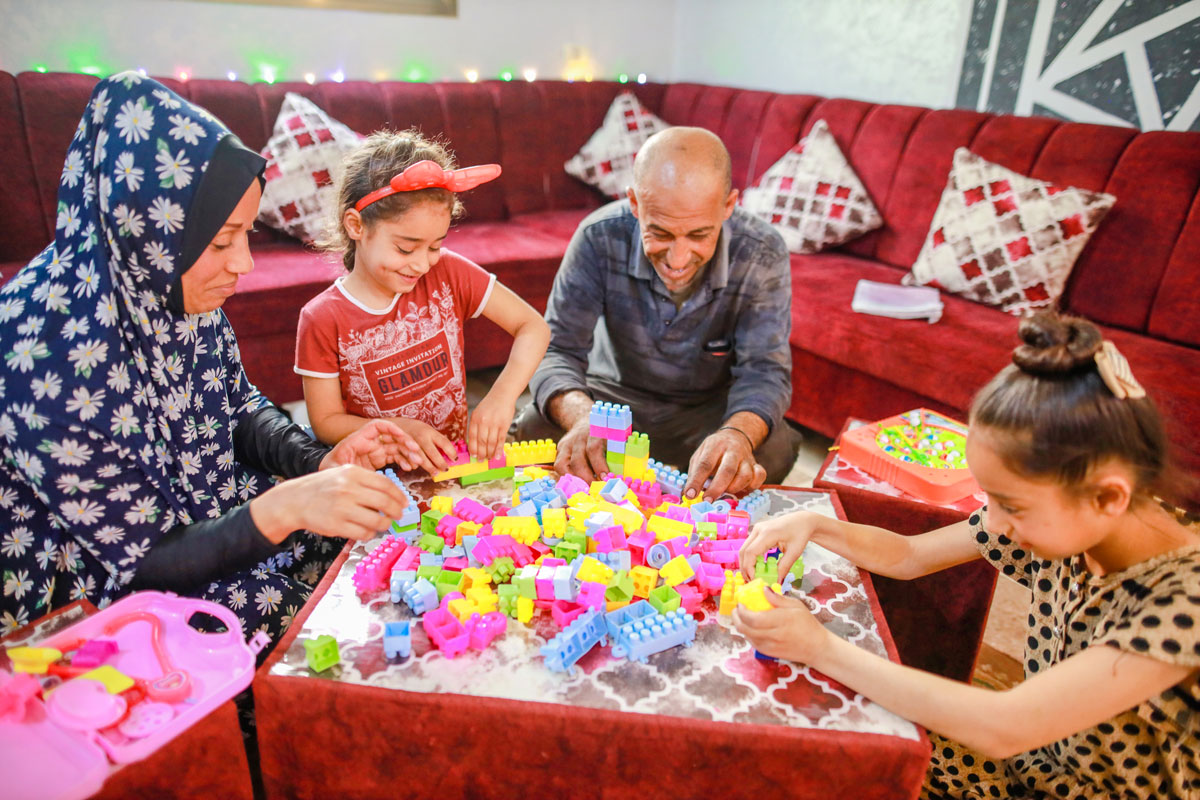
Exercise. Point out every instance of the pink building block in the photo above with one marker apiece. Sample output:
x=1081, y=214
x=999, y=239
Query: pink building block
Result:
x=374, y=571
x=638, y=544
x=543, y=583
x=473, y=511
x=447, y=528
x=481, y=630
x=721, y=551
x=609, y=539
x=457, y=564
x=462, y=454
x=564, y=611
x=538, y=550
x=648, y=493
x=409, y=559
x=710, y=578
x=445, y=632
x=678, y=546
x=690, y=597
x=591, y=595
x=571, y=485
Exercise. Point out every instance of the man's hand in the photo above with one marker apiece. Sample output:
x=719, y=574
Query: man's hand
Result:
x=580, y=454
x=726, y=457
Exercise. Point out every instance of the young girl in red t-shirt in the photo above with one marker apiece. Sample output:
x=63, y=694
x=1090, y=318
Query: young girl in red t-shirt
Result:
x=386, y=340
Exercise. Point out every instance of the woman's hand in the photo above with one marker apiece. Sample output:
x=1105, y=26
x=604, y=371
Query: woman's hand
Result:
x=433, y=449
x=374, y=446
x=790, y=533
x=347, y=501
x=489, y=425
x=788, y=631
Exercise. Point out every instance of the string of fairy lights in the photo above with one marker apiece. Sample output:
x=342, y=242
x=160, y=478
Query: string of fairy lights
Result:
x=270, y=73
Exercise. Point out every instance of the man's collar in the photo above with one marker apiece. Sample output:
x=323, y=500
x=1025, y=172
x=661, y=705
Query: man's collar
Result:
x=716, y=276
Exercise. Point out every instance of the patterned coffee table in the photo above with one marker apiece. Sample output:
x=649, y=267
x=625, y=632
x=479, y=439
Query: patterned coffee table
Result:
x=717, y=682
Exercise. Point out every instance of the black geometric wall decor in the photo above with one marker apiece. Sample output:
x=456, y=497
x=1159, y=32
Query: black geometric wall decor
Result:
x=1115, y=62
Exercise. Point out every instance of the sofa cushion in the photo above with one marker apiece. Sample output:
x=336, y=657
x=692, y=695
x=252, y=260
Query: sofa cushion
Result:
x=1005, y=239
x=1176, y=312
x=606, y=160
x=949, y=361
x=304, y=161
x=559, y=224
x=812, y=196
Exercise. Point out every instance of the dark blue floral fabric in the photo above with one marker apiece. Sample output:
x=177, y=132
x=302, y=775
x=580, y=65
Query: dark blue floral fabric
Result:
x=117, y=414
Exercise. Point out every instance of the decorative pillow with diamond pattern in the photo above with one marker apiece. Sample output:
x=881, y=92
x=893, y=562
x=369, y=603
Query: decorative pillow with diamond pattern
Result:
x=812, y=196
x=304, y=159
x=1006, y=239
x=606, y=161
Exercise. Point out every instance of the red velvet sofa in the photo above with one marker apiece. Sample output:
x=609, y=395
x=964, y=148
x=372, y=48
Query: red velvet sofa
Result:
x=1139, y=278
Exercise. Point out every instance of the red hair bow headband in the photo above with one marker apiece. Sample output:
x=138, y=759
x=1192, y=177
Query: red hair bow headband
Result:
x=430, y=175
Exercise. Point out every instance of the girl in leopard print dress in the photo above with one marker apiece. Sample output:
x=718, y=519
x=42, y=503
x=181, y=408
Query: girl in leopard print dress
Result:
x=1072, y=456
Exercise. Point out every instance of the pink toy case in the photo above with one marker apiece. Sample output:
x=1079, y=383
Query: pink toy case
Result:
x=58, y=750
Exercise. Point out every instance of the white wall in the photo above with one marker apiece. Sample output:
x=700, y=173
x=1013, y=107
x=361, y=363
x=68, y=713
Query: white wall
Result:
x=893, y=51
x=210, y=39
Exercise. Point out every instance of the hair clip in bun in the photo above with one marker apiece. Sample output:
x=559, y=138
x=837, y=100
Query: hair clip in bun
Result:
x=1115, y=372
x=430, y=175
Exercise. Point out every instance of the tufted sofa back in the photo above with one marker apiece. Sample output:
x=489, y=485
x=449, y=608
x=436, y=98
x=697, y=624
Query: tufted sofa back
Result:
x=1148, y=246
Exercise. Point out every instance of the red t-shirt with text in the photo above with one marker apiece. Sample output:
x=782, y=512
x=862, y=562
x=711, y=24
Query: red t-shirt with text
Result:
x=405, y=360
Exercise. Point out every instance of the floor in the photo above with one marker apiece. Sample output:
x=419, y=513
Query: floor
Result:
x=999, y=664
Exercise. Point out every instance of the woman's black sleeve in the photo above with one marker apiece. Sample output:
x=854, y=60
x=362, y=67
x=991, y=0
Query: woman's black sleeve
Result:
x=189, y=556
x=270, y=442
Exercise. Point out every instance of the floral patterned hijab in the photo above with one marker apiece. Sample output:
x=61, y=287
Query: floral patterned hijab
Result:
x=117, y=412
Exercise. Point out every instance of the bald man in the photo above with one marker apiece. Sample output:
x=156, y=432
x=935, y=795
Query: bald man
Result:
x=677, y=303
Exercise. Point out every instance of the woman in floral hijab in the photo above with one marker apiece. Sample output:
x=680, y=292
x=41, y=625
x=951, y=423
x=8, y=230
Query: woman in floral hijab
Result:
x=134, y=452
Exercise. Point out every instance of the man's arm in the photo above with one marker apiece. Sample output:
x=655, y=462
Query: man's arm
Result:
x=762, y=379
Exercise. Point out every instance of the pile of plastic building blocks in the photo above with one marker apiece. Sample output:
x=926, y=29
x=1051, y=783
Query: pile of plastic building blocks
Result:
x=620, y=561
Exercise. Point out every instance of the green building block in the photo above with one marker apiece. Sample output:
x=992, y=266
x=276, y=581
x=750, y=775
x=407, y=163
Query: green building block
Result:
x=797, y=570
x=567, y=551
x=501, y=570
x=767, y=570
x=616, y=463
x=637, y=445
x=449, y=581
x=525, y=585
x=431, y=543
x=321, y=653
x=620, y=587
x=429, y=521
x=665, y=599
x=429, y=572
x=508, y=599
x=498, y=474
x=706, y=531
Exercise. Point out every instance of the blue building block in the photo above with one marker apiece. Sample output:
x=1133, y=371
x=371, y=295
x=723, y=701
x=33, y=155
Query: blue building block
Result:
x=700, y=510
x=617, y=560
x=454, y=552
x=570, y=645
x=399, y=582
x=722, y=507
x=432, y=560
x=617, y=619
x=422, y=596
x=615, y=490
x=670, y=480
x=397, y=639
x=565, y=584
x=412, y=514
x=526, y=509
x=468, y=545
x=642, y=638
x=756, y=504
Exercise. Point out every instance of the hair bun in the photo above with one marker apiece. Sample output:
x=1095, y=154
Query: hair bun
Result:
x=1053, y=344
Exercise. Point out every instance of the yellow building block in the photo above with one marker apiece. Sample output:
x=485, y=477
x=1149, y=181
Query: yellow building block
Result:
x=524, y=609
x=733, y=582
x=751, y=596
x=442, y=503
x=634, y=466
x=521, y=454
x=629, y=519
x=483, y=599
x=113, y=679
x=665, y=528
x=593, y=570
x=614, y=605
x=461, y=608
x=677, y=571
x=554, y=522
x=645, y=579
x=466, y=529
x=458, y=470
x=522, y=529
x=475, y=577
x=596, y=487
